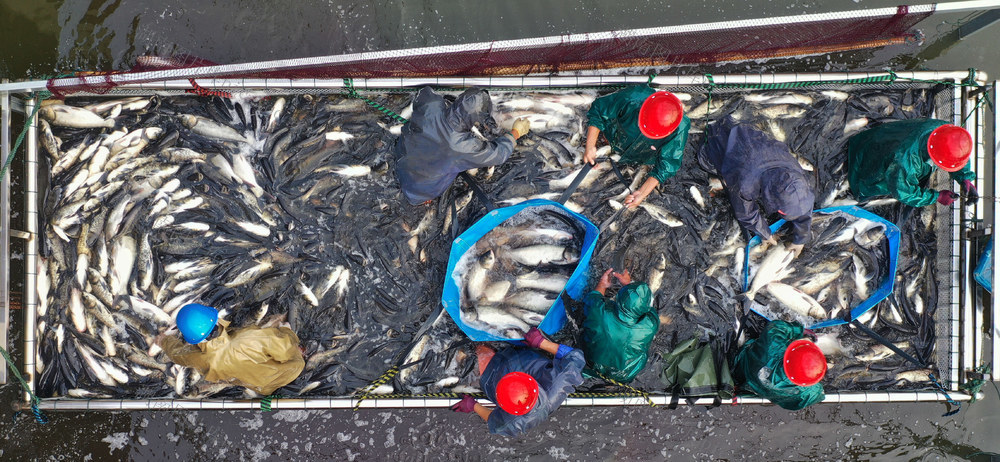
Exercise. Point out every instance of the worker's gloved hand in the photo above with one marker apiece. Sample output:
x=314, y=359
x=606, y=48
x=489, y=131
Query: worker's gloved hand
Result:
x=521, y=127
x=466, y=405
x=809, y=333
x=946, y=197
x=534, y=337
x=971, y=193
x=770, y=240
x=796, y=249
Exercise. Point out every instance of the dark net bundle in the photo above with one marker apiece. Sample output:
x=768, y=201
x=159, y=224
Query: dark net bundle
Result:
x=321, y=237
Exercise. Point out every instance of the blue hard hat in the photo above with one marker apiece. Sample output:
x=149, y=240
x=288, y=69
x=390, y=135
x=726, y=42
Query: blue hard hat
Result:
x=196, y=321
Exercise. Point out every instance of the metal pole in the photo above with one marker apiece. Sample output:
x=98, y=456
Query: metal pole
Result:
x=31, y=247
x=420, y=402
x=4, y=228
x=967, y=318
x=955, y=356
x=166, y=83
x=979, y=151
x=995, y=296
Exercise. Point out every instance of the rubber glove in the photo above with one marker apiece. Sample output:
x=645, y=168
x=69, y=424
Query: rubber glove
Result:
x=466, y=405
x=971, y=193
x=534, y=337
x=809, y=333
x=946, y=197
x=521, y=127
x=796, y=249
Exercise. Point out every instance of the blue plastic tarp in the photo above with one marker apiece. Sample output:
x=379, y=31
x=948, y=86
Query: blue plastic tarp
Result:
x=884, y=288
x=984, y=270
x=575, y=286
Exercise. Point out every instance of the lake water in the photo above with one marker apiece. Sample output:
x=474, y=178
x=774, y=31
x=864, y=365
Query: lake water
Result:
x=45, y=37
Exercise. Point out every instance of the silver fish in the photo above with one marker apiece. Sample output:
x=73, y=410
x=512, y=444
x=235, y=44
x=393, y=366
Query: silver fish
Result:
x=475, y=280
x=531, y=300
x=536, y=255
x=211, y=129
x=661, y=214
x=70, y=116
x=542, y=281
x=795, y=300
x=774, y=267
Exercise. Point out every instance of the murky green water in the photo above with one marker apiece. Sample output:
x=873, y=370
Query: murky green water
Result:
x=45, y=37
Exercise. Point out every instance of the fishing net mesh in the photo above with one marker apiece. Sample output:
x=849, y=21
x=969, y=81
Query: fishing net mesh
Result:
x=641, y=48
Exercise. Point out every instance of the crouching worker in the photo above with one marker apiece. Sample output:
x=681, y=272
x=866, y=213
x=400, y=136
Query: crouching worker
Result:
x=617, y=331
x=526, y=385
x=782, y=367
x=759, y=169
x=897, y=158
x=646, y=127
x=438, y=142
x=262, y=359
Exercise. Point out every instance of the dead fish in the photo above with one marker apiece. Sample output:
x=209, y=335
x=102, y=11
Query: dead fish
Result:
x=795, y=300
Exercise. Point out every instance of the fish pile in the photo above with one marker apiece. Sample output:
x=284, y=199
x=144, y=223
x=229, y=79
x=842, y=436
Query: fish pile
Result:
x=844, y=262
x=511, y=277
x=287, y=209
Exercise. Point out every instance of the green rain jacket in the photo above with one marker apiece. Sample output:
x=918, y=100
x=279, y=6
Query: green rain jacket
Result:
x=759, y=367
x=892, y=159
x=617, y=332
x=617, y=117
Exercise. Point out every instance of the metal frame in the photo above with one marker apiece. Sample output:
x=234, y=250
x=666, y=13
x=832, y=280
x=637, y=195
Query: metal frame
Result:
x=963, y=347
x=4, y=227
x=995, y=221
x=523, y=44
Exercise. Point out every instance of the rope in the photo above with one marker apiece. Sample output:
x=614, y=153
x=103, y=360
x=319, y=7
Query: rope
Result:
x=625, y=385
x=265, y=402
x=43, y=95
x=365, y=392
x=202, y=91
x=353, y=93
x=39, y=416
x=709, y=86
x=947, y=397
x=973, y=386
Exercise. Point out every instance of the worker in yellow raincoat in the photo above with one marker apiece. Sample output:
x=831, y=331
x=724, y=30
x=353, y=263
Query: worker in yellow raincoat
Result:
x=262, y=359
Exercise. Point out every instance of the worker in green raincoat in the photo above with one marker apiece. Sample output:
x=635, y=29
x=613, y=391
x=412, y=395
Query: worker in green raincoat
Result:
x=617, y=331
x=782, y=366
x=646, y=127
x=897, y=158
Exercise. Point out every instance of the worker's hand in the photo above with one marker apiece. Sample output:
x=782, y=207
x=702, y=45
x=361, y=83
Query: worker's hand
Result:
x=796, y=249
x=633, y=200
x=624, y=277
x=605, y=281
x=771, y=240
x=466, y=405
x=590, y=155
x=946, y=197
x=809, y=333
x=521, y=127
x=534, y=337
x=971, y=193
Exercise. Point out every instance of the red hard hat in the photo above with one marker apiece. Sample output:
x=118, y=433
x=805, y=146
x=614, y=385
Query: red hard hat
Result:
x=949, y=147
x=517, y=393
x=660, y=115
x=804, y=363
